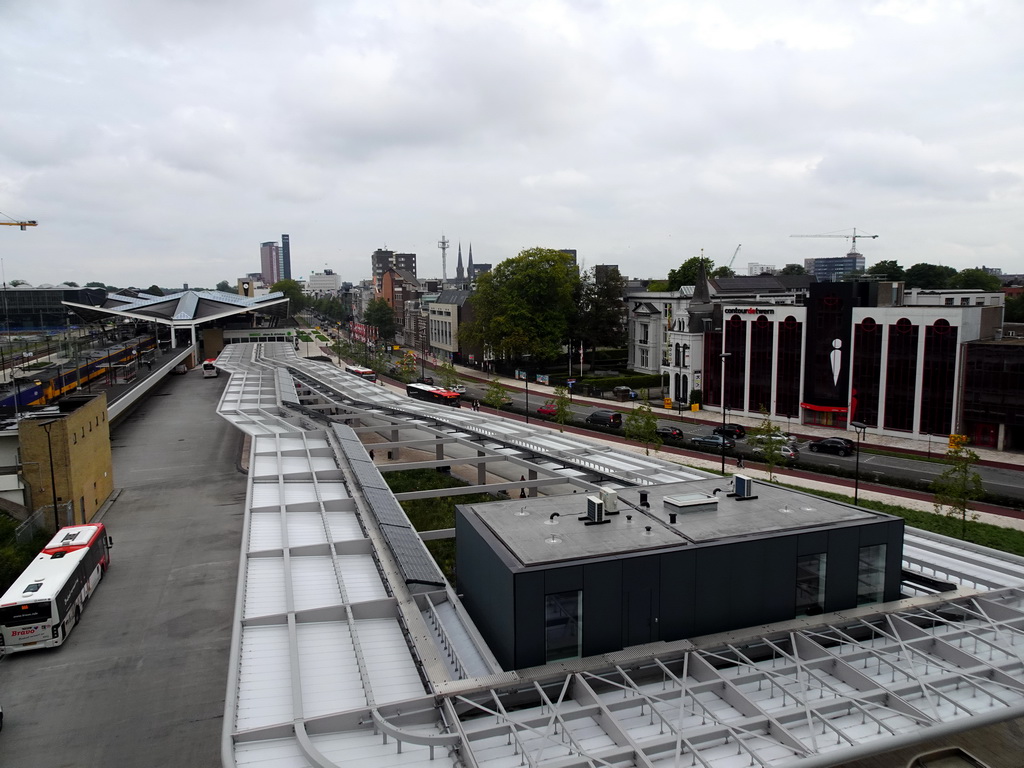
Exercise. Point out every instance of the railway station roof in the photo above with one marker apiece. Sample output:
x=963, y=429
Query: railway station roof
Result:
x=185, y=308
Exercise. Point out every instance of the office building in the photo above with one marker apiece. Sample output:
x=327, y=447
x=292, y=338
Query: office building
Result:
x=835, y=268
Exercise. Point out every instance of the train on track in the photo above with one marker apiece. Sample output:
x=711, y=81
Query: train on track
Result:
x=40, y=386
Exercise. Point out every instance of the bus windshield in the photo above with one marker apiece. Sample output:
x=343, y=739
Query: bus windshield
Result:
x=25, y=613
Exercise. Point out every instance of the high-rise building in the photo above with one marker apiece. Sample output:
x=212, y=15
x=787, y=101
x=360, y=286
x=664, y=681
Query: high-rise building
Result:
x=382, y=259
x=830, y=270
x=270, y=262
x=285, y=270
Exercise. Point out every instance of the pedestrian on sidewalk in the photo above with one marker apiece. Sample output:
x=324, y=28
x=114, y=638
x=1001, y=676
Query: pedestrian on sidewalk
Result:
x=739, y=463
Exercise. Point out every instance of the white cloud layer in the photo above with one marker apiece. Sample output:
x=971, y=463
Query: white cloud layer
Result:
x=162, y=142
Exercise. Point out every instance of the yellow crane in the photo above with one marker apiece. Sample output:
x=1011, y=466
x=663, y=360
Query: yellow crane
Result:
x=853, y=237
x=22, y=224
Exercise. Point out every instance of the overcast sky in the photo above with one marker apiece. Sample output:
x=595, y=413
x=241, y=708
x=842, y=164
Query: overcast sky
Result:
x=161, y=141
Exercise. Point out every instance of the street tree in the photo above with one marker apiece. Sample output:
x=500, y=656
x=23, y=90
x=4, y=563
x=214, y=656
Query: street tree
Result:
x=563, y=407
x=976, y=279
x=524, y=307
x=641, y=425
x=496, y=395
x=928, y=276
x=793, y=269
x=959, y=485
x=447, y=374
x=293, y=291
x=380, y=315
x=406, y=367
x=886, y=270
x=686, y=273
x=767, y=440
x=601, y=317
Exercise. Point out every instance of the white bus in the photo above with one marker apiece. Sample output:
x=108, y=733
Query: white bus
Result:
x=45, y=603
x=363, y=373
x=210, y=369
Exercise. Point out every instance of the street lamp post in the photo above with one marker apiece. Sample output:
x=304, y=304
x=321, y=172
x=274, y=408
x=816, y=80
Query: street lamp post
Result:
x=859, y=427
x=526, y=376
x=723, y=356
x=53, y=480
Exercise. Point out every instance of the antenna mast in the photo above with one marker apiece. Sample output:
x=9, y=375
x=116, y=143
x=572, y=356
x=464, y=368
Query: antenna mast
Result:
x=443, y=245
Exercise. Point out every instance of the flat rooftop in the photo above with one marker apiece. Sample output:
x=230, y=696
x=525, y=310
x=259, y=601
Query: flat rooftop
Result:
x=535, y=535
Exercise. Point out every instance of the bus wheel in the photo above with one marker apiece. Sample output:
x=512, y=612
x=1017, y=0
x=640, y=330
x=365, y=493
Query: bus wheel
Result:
x=78, y=615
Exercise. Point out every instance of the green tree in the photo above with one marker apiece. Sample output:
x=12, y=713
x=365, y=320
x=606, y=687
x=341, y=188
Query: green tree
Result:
x=601, y=317
x=696, y=397
x=959, y=485
x=154, y=290
x=496, y=395
x=70, y=283
x=641, y=425
x=380, y=315
x=224, y=286
x=928, y=276
x=686, y=273
x=563, y=407
x=447, y=374
x=95, y=284
x=293, y=291
x=975, y=278
x=886, y=270
x=723, y=272
x=767, y=440
x=793, y=269
x=16, y=283
x=1014, y=311
x=524, y=306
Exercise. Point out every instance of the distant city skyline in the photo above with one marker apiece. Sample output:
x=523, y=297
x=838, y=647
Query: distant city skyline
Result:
x=156, y=143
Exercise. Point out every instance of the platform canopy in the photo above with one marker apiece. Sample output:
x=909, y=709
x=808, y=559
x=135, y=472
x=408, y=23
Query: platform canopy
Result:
x=186, y=309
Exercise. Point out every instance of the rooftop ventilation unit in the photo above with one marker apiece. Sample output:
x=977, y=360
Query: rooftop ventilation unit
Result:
x=595, y=512
x=690, y=502
x=744, y=488
x=610, y=498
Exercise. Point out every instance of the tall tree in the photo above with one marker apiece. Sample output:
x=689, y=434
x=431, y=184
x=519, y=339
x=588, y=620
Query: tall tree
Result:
x=224, y=286
x=723, y=271
x=380, y=315
x=154, y=290
x=686, y=273
x=928, y=276
x=1014, y=311
x=793, y=269
x=975, y=278
x=641, y=425
x=524, y=306
x=601, y=317
x=291, y=289
x=886, y=270
x=767, y=440
x=959, y=485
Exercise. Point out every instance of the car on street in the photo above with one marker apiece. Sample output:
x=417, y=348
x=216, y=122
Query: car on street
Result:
x=460, y=388
x=673, y=432
x=836, y=445
x=732, y=431
x=713, y=441
x=549, y=409
x=425, y=380
x=605, y=418
x=786, y=452
x=624, y=393
x=179, y=369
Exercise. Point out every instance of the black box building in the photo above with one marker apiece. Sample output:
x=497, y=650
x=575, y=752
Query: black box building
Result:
x=571, y=576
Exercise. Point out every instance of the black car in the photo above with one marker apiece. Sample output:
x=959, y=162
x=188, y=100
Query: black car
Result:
x=836, y=445
x=732, y=431
x=673, y=432
x=714, y=441
x=605, y=418
x=425, y=380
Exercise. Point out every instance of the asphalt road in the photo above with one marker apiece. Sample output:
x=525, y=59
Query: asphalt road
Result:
x=141, y=681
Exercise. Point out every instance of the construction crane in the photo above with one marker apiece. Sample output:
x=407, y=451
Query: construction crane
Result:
x=853, y=237
x=22, y=224
x=734, y=255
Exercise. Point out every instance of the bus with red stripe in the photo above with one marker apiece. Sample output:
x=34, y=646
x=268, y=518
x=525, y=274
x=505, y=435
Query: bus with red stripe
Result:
x=432, y=394
x=46, y=601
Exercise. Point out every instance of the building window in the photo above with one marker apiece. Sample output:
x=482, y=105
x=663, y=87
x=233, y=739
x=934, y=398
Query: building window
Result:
x=965, y=302
x=871, y=574
x=949, y=301
x=563, y=628
x=645, y=333
x=810, y=584
x=645, y=358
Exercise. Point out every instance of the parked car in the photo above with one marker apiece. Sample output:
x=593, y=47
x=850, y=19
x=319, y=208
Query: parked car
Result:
x=425, y=380
x=714, y=441
x=179, y=369
x=673, y=432
x=784, y=438
x=624, y=393
x=732, y=431
x=787, y=452
x=549, y=409
x=604, y=418
x=836, y=445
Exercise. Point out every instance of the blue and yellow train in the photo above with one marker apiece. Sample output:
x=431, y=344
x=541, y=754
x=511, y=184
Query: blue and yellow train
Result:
x=45, y=385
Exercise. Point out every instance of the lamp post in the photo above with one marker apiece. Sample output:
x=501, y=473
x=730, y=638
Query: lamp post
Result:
x=53, y=480
x=526, y=376
x=859, y=427
x=723, y=356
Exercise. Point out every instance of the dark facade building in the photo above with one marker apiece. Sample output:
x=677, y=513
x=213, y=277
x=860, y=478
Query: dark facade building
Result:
x=993, y=408
x=382, y=259
x=558, y=577
x=286, y=257
x=34, y=309
x=834, y=268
